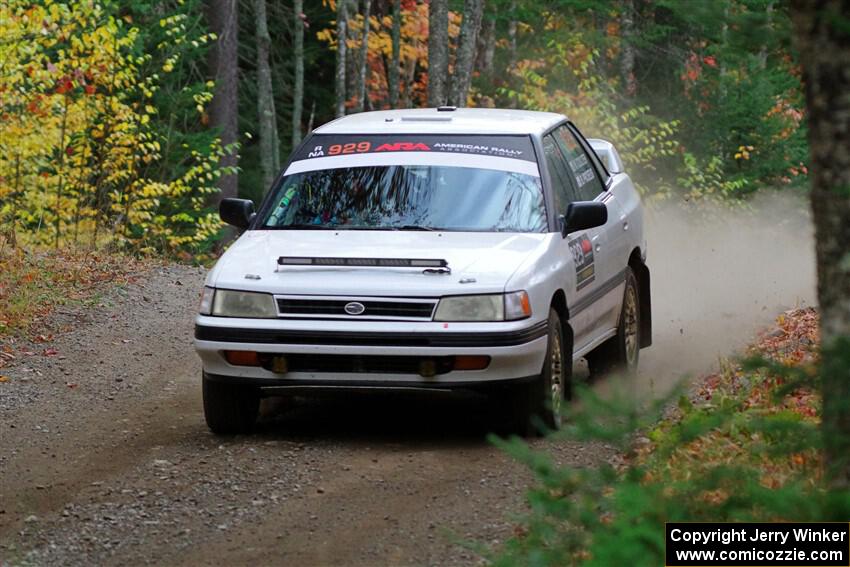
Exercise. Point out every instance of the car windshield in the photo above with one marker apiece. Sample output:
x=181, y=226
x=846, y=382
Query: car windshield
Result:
x=408, y=197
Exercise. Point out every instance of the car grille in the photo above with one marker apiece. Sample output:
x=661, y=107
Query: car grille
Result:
x=373, y=308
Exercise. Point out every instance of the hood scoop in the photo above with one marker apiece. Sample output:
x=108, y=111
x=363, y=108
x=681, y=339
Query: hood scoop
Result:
x=429, y=265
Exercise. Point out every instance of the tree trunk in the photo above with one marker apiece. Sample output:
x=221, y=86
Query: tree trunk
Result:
x=266, y=117
x=298, y=88
x=512, y=47
x=823, y=41
x=512, y=29
x=224, y=108
x=392, y=79
x=438, y=51
x=627, y=53
x=471, y=26
x=768, y=24
x=61, y=168
x=363, y=58
x=341, y=50
x=486, y=47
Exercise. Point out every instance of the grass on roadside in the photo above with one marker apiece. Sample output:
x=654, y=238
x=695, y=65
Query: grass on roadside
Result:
x=34, y=282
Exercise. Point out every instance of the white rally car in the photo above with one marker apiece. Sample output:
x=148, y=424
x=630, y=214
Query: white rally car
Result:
x=432, y=248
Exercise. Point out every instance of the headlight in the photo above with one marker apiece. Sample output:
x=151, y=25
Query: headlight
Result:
x=496, y=307
x=229, y=303
x=206, y=301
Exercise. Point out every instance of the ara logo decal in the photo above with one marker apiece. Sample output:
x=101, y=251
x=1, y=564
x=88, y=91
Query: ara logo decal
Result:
x=582, y=250
x=318, y=151
x=403, y=147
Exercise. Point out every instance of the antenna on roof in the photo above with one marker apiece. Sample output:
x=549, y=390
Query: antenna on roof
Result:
x=446, y=108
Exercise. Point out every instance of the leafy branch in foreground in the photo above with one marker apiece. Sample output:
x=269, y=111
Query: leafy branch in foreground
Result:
x=743, y=446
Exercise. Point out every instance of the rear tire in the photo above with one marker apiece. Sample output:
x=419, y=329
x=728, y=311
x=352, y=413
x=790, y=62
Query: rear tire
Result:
x=230, y=408
x=539, y=402
x=621, y=353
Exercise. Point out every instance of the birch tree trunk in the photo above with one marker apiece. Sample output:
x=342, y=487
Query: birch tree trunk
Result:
x=627, y=54
x=363, y=58
x=438, y=51
x=222, y=16
x=469, y=29
x=823, y=41
x=392, y=79
x=298, y=88
x=266, y=116
x=341, y=50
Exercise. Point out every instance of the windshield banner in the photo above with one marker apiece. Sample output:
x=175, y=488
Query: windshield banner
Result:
x=329, y=145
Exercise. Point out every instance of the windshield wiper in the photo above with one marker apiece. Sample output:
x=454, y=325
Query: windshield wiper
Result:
x=414, y=227
x=301, y=226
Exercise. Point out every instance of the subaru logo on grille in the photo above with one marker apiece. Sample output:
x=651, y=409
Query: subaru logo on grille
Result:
x=354, y=308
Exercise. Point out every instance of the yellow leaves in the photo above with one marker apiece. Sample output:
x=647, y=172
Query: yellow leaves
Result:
x=108, y=142
x=744, y=152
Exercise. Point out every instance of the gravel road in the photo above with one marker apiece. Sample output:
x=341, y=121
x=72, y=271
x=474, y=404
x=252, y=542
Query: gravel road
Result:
x=105, y=458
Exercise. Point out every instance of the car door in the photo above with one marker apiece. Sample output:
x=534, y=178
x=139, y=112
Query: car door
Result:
x=591, y=179
x=581, y=282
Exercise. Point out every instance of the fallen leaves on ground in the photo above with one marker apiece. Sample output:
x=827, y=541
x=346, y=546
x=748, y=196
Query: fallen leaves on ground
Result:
x=35, y=282
x=793, y=342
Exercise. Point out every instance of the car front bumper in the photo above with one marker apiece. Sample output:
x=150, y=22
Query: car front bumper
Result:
x=516, y=350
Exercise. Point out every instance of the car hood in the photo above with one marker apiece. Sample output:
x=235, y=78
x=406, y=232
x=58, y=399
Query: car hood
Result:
x=483, y=261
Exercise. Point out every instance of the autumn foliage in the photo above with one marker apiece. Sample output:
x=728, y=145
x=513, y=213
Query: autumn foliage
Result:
x=78, y=151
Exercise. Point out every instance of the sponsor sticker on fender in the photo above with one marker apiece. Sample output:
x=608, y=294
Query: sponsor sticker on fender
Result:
x=582, y=250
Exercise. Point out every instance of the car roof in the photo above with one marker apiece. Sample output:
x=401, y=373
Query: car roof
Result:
x=446, y=120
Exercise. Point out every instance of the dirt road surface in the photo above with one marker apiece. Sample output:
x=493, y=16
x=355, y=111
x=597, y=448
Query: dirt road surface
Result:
x=105, y=458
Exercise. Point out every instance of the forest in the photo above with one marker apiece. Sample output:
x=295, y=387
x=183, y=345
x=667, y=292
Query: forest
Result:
x=123, y=123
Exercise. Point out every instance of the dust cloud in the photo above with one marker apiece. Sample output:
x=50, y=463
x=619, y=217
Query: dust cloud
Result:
x=720, y=275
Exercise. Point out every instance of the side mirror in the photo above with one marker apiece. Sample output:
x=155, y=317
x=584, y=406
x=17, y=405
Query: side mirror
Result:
x=608, y=154
x=583, y=215
x=236, y=212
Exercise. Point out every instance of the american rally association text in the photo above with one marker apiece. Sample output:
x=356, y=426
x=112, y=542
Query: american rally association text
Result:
x=726, y=536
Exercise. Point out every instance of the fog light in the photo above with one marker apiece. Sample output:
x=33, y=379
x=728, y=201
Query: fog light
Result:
x=280, y=365
x=471, y=362
x=427, y=368
x=242, y=358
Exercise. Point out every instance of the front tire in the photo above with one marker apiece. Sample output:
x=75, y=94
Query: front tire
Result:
x=621, y=353
x=541, y=400
x=230, y=409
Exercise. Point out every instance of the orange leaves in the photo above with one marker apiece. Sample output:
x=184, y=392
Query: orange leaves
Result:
x=740, y=441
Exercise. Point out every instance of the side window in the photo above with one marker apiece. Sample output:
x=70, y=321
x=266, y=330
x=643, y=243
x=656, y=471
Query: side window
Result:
x=601, y=168
x=563, y=190
x=583, y=171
